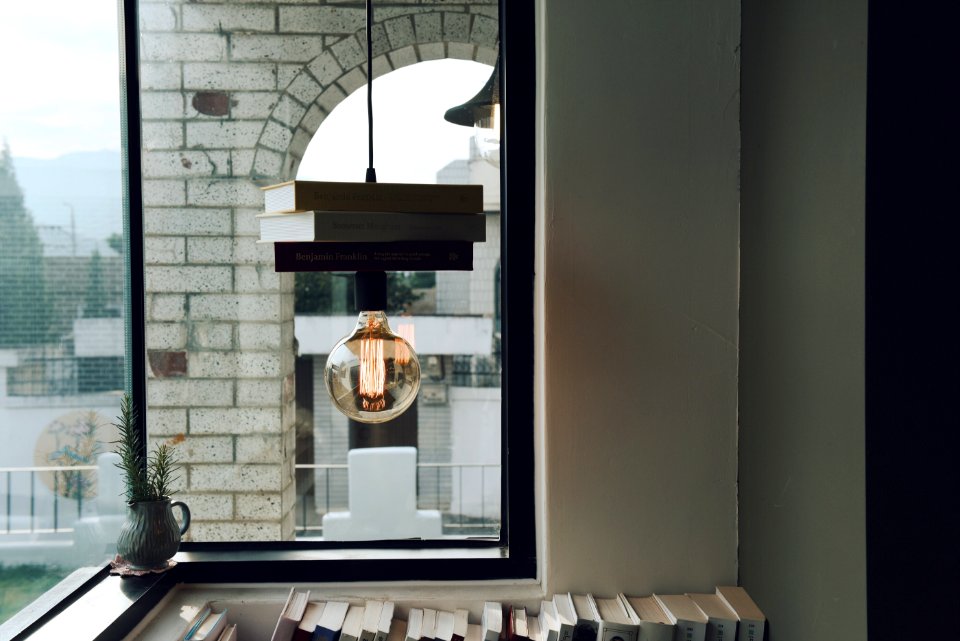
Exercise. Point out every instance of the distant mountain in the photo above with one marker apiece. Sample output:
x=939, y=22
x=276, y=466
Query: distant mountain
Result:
x=89, y=181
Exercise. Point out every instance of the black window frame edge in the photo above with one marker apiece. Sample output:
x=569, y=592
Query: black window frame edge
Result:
x=123, y=602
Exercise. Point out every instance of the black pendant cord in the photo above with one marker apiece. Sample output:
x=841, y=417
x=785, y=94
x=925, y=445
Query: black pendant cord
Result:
x=371, y=172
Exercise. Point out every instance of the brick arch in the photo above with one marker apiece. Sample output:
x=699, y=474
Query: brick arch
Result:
x=339, y=70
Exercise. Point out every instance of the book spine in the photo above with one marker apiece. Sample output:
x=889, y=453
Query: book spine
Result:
x=467, y=199
x=406, y=256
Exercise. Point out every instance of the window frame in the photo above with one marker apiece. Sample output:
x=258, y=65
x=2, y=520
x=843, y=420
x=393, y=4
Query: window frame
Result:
x=124, y=602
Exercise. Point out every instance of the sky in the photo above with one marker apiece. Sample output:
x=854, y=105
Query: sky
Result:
x=60, y=94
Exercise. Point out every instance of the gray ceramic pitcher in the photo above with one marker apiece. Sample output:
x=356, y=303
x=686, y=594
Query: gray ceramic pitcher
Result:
x=150, y=536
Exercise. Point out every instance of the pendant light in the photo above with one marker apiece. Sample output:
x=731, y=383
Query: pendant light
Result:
x=372, y=374
x=482, y=112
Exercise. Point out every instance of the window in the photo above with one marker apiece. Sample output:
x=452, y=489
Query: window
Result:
x=226, y=104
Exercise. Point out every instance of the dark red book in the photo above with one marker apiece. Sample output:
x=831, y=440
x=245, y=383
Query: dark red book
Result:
x=452, y=255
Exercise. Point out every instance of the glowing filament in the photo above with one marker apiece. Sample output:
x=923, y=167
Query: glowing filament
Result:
x=405, y=331
x=373, y=373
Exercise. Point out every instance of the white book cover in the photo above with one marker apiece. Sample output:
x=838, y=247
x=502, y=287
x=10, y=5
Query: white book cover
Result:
x=290, y=616
x=461, y=619
x=414, y=624
x=352, y=624
x=587, y=624
x=385, y=623
x=533, y=629
x=519, y=622
x=371, y=620
x=653, y=624
x=752, y=620
x=615, y=623
x=491, y=620
x=444, y=629
x=690, y=621
x=566, y=616
x=549, y=622
x=429, y=624
x=721, y=619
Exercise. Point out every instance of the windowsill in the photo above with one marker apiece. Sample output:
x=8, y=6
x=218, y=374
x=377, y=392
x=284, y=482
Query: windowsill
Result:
x=259, y=580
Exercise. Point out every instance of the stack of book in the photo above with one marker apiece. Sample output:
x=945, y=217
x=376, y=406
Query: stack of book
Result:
x=344, y=226
x=728, y=614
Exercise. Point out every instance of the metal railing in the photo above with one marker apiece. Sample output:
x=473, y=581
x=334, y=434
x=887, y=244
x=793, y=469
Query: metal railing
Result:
x=69, y=485
x=316, y=498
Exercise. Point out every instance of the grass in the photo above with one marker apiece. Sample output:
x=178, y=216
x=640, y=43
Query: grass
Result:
x=22, y=584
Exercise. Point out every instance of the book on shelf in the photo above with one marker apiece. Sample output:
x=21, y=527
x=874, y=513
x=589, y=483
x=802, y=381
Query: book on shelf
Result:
x=290, y=615
x=549, y=623
x=474, y=632
x=533, y=629
x=303, y=195
x=491, y=620
x=653, y=624
x=414, y=624
x=370, y=226
x=751, y=620
x=371, y=620
x=691, y=622
x=461, y=618
x=385, y=622
x=331, y=621
x=566, y=616
x=614, y=624
x=586, y=625
x=397, y=256
x=429, y=628
x=308, y=622
x=207, y=625
x=352, y=624
x=721, y=619
x=444, y=628
x=517, y=624
x=229, y=633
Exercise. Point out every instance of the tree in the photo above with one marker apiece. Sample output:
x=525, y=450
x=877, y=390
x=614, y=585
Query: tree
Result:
x=94, y=303
x=24, y=306
x=115, y=241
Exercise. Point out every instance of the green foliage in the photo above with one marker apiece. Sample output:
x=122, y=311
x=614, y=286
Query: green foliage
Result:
x=147, y=478
x=332, y=293
x=24, y=306
x=115, y=241
x=95, y=299
x=20, y=585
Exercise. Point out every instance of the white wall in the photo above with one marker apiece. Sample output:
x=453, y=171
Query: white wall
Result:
x=638, y=316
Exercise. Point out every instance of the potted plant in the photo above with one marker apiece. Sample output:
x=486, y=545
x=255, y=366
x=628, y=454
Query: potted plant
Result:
x=150, y=536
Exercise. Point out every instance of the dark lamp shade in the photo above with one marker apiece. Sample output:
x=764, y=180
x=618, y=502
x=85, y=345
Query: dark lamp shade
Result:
x=478, y=111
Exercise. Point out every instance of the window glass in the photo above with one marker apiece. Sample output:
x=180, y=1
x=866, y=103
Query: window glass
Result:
x=455, y=424
x=61, y=293
x=233, y=96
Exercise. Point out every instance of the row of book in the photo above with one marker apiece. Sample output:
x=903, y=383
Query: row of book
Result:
x=344, y=226
x=728, y=614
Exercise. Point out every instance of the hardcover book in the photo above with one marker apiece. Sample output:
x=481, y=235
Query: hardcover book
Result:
x=653, y=624
x=429, y=629
x=308, y=622
x=444, y=629
x=752, y=621
x=721, y=620
x=207, y=625
x=690, y=621
x=533, y=628
x=614, y=622
x=302, y=195
x=399, y=256
x=385, y=623
x=549, y=622
x=586, y=625
x=290, y=616
x=566, y=616
x=491, y=620
x=414, y=624
x=371, y=620
x=517, y=624
x=370, y=227
x=461, y=618
x=331, y=621
x=352, y=624
x=229, y=633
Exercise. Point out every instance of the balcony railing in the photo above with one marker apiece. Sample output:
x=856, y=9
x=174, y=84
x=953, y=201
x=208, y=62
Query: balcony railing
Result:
x=70, y=483
x=436, y=491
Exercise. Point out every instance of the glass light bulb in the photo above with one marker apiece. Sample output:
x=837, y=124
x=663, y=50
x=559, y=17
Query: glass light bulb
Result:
x=372, y=375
